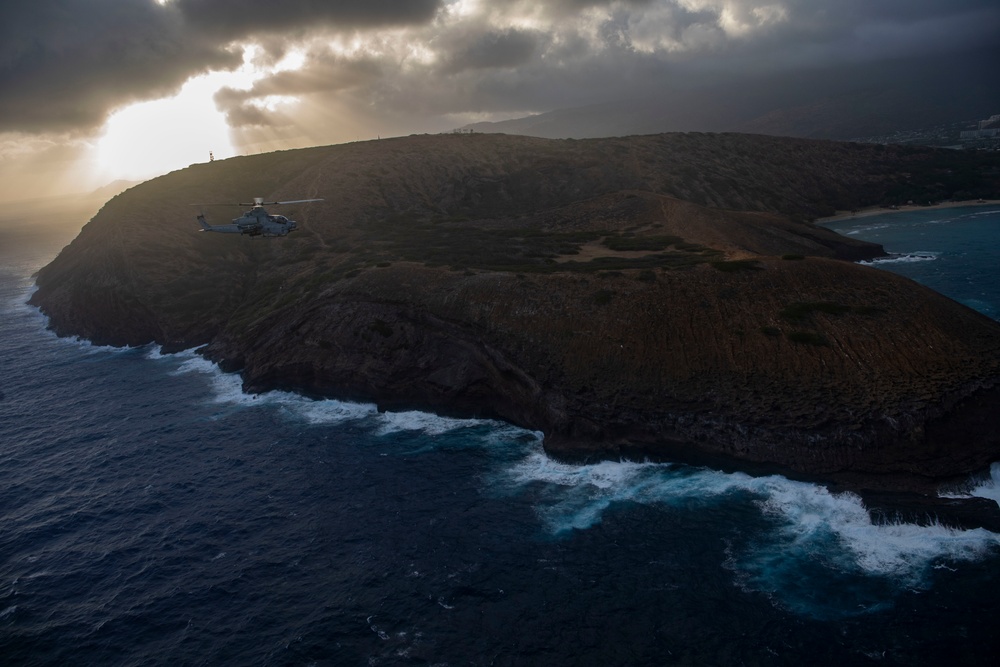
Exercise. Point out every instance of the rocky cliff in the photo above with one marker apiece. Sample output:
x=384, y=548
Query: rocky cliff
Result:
x=660, y=295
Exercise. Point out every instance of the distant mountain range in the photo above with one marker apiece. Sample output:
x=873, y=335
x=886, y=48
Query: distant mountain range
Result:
x=860, y=101
x=113, y=188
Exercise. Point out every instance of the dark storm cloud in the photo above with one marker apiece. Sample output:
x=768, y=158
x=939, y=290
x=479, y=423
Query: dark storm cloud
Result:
x=231, y=19
x=525, y=55
x=507, y=48
x=65, y=63
x=900, y=26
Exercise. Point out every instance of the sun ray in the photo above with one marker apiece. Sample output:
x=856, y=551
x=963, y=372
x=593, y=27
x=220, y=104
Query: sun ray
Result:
x=147, y=139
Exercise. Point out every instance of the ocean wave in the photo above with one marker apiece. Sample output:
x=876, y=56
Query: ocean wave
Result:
x=981, y=213
x=87, y=347
x=17, y=306
x=865, y=229
x=918, y=256
x=424, y=422
x=227, y=389
x=988, y=488
x=814, y=536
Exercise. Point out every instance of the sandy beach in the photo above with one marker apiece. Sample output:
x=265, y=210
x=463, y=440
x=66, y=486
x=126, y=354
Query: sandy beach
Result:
x=878, y=210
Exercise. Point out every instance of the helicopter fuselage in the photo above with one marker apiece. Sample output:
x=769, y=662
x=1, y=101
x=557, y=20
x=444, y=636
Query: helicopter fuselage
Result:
x=255, y=222
x=258, y=222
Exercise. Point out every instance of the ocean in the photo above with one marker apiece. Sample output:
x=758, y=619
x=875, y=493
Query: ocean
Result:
x=955, y=251
x=152, y=514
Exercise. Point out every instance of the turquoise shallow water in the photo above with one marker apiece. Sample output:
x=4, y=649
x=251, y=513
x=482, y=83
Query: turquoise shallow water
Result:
x=955, y=251
x=151, y=514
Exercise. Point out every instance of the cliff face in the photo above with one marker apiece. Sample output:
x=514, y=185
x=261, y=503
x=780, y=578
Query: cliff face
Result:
x=563, y=286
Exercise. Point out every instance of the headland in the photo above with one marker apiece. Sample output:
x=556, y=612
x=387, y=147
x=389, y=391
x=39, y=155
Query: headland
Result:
x=662, y=296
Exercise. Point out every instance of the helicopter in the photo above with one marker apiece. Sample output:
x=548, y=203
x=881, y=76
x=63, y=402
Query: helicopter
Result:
x=256, y=221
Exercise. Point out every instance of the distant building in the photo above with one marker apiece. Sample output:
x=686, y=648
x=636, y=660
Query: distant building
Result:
x=972, y=135
x=989, y=122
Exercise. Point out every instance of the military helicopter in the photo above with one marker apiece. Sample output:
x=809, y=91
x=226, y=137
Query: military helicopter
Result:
x=256, y=221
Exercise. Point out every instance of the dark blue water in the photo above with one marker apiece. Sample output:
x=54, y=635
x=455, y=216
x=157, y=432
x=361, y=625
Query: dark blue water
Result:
x=955, y=251
x=152, y=514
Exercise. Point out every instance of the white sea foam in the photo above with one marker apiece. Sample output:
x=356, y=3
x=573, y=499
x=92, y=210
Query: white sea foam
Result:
x=865, y=229
x=812, y=515
x=988, y=488
x=156, y=353
x=504, y=433
x=329, y=411
x=979, y=214
x=227, y=389
x=425, y=422
x=810, y=521
x=575, y=496
x=21, y=307
x=89, y=348
x=917, y=256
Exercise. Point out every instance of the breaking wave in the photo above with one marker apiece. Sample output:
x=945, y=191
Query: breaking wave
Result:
x=907, y=258
x=988, y=488
x=814, y=540
x=227, y=389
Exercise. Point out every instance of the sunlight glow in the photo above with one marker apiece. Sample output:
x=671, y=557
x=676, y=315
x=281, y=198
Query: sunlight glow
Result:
x=151, y=138
x=273, y=102
x=293, y=60
x=462, y=8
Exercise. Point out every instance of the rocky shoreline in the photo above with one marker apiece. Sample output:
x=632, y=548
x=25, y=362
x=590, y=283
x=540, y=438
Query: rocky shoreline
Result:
x=407, y=356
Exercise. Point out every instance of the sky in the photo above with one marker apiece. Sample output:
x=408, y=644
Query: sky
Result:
x=97, y=90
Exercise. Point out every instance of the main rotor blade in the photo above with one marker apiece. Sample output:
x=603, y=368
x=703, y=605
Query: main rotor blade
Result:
x=297, y=201
x=261, y=203
x=272, y=203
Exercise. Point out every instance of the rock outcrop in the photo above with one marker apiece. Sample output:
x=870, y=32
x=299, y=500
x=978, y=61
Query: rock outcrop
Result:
x=567, y=287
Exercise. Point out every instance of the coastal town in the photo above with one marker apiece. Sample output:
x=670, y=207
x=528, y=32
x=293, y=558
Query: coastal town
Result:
x=983, y=134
